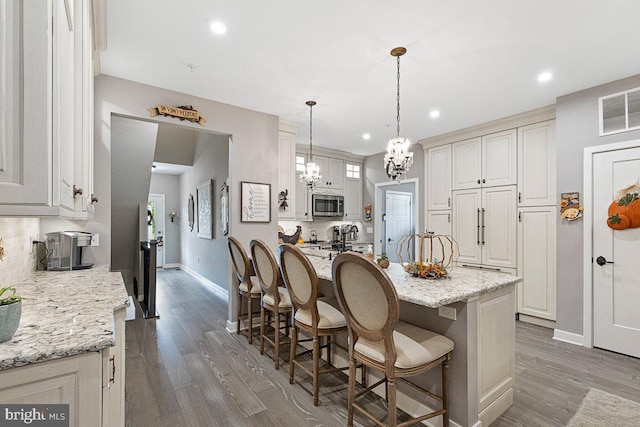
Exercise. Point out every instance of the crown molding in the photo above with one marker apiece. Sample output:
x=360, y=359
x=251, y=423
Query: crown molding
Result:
x=530, y=117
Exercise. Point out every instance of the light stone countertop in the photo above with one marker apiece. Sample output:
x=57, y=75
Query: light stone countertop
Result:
x=462, y=283
x=64, y=313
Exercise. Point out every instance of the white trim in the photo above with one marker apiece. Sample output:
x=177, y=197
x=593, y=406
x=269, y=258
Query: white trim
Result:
x=232, y=327
x=377, y=218
x=568, y=337
x=172, y=265
x=587, y=257
x=218, y=290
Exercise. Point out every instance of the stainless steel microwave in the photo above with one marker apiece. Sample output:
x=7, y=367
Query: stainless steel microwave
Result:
x=327, y=205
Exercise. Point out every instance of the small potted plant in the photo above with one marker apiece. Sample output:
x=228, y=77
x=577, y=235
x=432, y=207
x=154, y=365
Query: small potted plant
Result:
x=382, y=260
x=10, y=312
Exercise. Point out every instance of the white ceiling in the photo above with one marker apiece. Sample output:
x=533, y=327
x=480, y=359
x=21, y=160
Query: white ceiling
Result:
x=475, y=61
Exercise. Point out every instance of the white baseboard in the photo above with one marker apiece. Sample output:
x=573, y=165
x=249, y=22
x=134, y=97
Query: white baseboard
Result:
x=221, y=292
x=568, y=337
x=232, y=327
x=172, y=265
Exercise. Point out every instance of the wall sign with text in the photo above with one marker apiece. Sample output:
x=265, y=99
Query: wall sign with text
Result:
x=255, y=202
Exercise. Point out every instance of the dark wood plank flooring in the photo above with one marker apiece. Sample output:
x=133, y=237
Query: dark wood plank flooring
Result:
x=185, y=369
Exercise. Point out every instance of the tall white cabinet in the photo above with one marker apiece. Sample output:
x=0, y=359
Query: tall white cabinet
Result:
x=537, y=219
x=494, y=189
x=286, y=171
x=46, y=109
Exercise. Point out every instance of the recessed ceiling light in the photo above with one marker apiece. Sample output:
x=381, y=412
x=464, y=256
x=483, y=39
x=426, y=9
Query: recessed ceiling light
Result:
x=545, y=77
x=218, y=27
x=434, y=114
x=366, y=136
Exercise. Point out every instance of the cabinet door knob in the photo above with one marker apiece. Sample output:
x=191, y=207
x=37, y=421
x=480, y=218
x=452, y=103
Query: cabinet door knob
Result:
x=478, y=181
x=94, y=198
x=483, y=180
x=76, y=191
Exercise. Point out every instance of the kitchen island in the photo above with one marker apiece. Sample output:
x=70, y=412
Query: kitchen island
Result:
x=69, y=347
x=481, y=305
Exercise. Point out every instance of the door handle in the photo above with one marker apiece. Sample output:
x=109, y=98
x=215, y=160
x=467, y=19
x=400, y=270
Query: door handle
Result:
x=389, y=239
x=478, y=222
x=483, y=226
x=449, y=202
x=602, y=261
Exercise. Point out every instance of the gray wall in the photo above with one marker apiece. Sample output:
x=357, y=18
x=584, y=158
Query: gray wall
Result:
x=374, y=173
x=133, y=143
x=253, y=155
x=169, y=185
x=176, y=144
x=207, y=257
x=577, y=128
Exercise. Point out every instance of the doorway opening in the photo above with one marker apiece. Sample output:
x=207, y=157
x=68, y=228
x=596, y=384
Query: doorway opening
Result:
x=398, y=214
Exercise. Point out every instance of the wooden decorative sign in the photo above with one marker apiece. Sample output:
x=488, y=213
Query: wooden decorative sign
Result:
x=183, y=112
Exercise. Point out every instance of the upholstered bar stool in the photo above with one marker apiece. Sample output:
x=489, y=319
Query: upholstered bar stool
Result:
x=275, y=298
x=380, y=341
x=248, y=288
x=314, y=317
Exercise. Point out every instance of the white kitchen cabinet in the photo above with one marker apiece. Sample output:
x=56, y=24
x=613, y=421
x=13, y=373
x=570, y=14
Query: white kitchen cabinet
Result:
x=286, y=173
x=113, y=376
x=332, y=171
x=439, y=223
x=537, y=164
x=72, y=380
x=486, y=161
x=537, y=261
x=47, y=106
x=353, y=192
x=92, y=383
x=484, y=225
x=439, y=178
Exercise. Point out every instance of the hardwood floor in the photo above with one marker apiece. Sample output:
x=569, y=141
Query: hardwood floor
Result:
x=185, y=369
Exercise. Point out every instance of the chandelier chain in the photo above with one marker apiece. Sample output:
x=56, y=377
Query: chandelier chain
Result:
x=398, y=98
x=310, y=132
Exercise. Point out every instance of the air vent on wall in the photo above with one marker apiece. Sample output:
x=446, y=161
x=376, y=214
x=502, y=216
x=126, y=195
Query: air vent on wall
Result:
x=619, y=112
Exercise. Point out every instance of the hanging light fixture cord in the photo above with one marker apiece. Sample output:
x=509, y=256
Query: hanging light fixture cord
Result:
x=398, y=97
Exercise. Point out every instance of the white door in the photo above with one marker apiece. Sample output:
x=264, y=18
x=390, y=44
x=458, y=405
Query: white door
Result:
x=616, y=287
x=467, y=164
x=537, y=164
x=155, y=223
x=498, y=226
x=499, y=160
x=439, y=178
x=397, y=223
x=467, y=221
x=439, y=222
x=537, y=261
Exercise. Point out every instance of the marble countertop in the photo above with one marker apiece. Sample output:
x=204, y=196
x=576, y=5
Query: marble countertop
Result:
x=461, y=285
x=64, y=313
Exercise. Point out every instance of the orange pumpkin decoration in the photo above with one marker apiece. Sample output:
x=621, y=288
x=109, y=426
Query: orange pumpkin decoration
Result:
x=624, y=211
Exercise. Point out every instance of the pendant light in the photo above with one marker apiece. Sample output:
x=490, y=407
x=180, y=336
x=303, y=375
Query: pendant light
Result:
x=398, y=159
x=311, y=175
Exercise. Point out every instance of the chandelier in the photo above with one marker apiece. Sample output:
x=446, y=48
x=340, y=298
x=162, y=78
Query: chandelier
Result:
x=311, y=175
x=398, y=159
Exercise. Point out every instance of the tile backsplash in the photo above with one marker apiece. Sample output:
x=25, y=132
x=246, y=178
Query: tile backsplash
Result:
x=20, y=260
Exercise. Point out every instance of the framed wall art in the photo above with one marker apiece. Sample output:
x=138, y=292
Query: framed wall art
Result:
x=204, y=197
x=255, y=202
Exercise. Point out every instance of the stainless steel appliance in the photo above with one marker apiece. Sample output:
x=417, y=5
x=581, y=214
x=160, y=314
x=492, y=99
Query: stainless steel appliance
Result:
x=64, y=249
x=327, y=205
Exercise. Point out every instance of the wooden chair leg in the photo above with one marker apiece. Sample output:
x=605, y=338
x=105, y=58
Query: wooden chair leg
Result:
x=316, y=360
x=352, y=391
x=391, y=398
x=292, y=352
x=239, y=313
x=277, y=340
x=445, y=392
x=261, y=330
x=250, y=317
x=329, y=349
